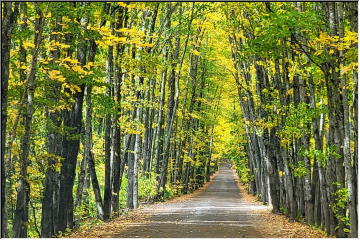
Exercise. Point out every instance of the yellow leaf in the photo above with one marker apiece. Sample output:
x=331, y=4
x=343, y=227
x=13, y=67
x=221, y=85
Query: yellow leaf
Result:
x=290, y=91
x=317, y=53
x=79, y=69
x=66, y=19
x=59, y=44
x=148, y=44
x=56, y=75
x=69, y=60
x=43, y=61
x=122, y=4
x=27, y=45
x=195, y=52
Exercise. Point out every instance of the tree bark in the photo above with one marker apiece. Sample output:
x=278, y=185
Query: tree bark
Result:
x=9, y=16
x=346, y=147
x=131, y=173
x=23, y=191
x=72, y=119
x=108, y=170
x=89, y=156
x=172, y=108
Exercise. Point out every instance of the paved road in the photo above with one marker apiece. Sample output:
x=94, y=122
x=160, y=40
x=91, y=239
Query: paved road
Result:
x=218, y=211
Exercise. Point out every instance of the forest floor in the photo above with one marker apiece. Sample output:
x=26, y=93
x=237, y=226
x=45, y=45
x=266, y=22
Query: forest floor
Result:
x=221, y=208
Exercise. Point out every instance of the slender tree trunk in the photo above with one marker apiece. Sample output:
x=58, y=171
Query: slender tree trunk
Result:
x=160, y=121
x=116, y=148
x=172, y=108
x=346, y=147
x=9, y=16
x=131, y=173
x=89, y=156
x=81, y=178
x=336, y=130
x=23, y=191
x=149, y=112
x=108, y=170
x=136, y=166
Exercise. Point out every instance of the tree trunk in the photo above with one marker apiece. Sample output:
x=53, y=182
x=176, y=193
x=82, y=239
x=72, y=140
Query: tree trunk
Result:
x=346, y=147
x=116, y=151
x=23, y=191
x=160, y=121
x=108, y=170
x=9, y=16
x=81, y=177
x=172, y=108
x=89, y=156
x=131, y=173
x=72, y=120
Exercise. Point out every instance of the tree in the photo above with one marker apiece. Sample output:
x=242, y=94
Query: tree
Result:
x=8, y=21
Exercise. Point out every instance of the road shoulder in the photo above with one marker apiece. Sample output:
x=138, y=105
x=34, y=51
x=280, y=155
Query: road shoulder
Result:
x=278, y=225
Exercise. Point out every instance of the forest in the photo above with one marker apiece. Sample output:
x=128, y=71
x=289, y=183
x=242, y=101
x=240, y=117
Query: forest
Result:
x=109, y=105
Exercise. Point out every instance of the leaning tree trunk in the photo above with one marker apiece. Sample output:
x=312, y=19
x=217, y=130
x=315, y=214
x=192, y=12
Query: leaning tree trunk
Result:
x=89, y=156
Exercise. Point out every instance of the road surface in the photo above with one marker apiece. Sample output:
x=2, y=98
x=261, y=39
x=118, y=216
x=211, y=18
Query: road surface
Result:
x=218, y=211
